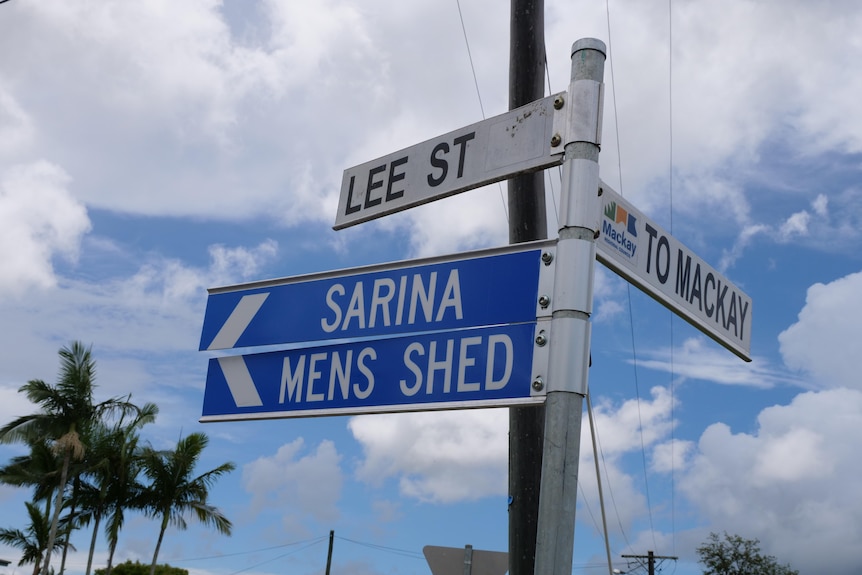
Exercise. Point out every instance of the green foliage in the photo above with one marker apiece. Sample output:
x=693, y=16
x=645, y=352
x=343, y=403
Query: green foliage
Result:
x=734, y=555
x=86, y=458
x=175, y=491
x=137, y=568
x=33, y=541
x=39, y=470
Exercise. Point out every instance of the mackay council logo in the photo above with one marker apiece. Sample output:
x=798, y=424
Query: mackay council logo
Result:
x=623, y=237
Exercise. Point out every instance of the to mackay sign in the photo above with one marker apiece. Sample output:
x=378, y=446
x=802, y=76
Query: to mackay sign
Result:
x=471, y=289
x=646, y=255
x=465, y=368
x=516, y=142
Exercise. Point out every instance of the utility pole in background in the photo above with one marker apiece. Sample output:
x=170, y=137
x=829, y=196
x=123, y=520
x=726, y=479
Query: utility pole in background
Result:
x=329, y=554
x=527, y=221
x=650, y=558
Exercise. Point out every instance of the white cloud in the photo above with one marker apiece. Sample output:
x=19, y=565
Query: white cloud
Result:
x=635, y=422
x=163, y=296
x=436, y=456
x=733, y=96
x=671, y=455
x=820, y=205
x=796, y=225
x=462, y=455
x=746, y=235
x=824, y=339
x=164, y=105
x=260, y=116
x=143, y=327
x=624, y=500
x=793, y=483
x=295, y=481
x=227, y=263
x=638, y=428
x=39, y=219
x=16, y=127
x=466, y=222
x=699, y=358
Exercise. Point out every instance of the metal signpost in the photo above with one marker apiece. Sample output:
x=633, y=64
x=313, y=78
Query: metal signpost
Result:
x=572, y=307
x=639, y=250
x=492, y=327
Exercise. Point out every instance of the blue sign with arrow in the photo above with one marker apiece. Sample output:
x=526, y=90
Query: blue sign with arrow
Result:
x=499, y=365
x=481, y=288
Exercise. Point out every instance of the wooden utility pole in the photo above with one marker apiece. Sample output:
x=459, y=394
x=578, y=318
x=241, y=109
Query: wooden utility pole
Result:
x=650, y=558
x=527, y=221
x=329, y=554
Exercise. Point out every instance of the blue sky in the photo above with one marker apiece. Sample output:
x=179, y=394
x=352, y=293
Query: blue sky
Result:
x=149, y=151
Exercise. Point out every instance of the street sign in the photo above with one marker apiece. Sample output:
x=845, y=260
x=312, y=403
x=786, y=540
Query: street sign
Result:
x=646, y=255
x=513, y=143
x=467, y=561
x=481, y=367
x=471, y=289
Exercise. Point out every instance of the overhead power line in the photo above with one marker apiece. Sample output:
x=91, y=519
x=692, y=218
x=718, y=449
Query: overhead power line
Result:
x=648, y=561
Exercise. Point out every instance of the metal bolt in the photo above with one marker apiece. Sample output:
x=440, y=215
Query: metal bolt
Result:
x=544, y=301
x=541, y=339
x=547, y=257
x=538, y=383
x=555, y=140
x=601, y=191
x=558, y=102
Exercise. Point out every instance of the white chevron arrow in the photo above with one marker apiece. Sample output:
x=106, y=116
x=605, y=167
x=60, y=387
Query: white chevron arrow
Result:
x=234, y=368
x=239, y=381
x=238, y=321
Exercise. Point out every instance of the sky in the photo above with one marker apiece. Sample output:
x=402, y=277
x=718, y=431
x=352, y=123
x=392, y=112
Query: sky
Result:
x=152, y=150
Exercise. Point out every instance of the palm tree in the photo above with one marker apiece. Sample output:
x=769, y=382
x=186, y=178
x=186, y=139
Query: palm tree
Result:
x=93, y=505
x=72, y=519
x=174, y=491
x=33, y=542
x=95, y=480
x=67, y=412
x=125, y=491
x=39, y=470
x=109, y=483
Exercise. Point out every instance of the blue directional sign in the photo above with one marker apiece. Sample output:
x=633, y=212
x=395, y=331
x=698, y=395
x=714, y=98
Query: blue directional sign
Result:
x=442, y=370
x=475, y=289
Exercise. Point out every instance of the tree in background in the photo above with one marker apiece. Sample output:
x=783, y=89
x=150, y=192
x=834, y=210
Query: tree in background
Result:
x=125, y=491
x=33, y=542
x=38, y=470
x=67, y=412
x=110, y=483
x=734, y=555
x=137, y=568
x=174, y=491
x=86, y=461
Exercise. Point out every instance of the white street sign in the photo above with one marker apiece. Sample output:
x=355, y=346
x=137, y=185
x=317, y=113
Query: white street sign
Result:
x=646, y=255
x=516, y=142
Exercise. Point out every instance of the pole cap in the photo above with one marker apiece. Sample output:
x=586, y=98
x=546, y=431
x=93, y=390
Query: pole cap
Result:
x=589, y=44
